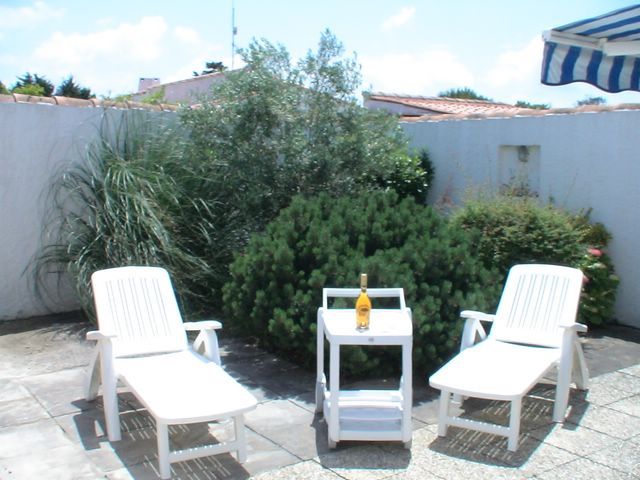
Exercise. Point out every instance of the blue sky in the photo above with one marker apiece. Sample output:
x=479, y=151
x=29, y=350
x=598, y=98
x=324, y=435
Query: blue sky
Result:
x=413, y=47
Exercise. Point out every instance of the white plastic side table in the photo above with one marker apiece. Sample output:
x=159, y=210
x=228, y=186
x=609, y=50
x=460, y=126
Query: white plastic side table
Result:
x=374, y=415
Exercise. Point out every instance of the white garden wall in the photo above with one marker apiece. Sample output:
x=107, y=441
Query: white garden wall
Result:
x=37, y=140
x=579, y=161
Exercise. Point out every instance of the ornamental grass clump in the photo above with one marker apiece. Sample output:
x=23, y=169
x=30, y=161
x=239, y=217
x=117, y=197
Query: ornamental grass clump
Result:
x=126, y=202
x=276, y=284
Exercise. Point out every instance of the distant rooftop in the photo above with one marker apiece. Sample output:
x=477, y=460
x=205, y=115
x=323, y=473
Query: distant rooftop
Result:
x=416, y=106
x=437, y=109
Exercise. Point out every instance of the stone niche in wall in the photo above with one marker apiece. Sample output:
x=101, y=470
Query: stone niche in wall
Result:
x=519, y=170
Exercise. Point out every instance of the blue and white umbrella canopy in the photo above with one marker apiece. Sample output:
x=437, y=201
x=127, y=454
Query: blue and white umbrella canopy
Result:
x=603, y=51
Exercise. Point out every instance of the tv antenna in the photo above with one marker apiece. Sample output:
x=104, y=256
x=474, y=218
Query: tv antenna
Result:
x=234, y=32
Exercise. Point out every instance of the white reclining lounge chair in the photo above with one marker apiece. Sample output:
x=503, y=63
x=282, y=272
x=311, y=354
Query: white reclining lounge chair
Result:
x=533, y=330
x=142, y=342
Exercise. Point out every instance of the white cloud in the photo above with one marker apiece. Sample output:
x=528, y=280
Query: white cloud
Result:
x=421, y=73
x=401, y=18
x=21, y=17
x=186, y=35
x=140, y=41
x=517, y=66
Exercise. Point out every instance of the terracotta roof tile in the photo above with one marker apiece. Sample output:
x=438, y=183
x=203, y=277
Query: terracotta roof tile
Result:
x=522, y=112
x=79, y=102
x=446, y=105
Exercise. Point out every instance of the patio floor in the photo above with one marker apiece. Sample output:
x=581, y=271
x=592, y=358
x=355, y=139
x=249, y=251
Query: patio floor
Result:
x=48, y=431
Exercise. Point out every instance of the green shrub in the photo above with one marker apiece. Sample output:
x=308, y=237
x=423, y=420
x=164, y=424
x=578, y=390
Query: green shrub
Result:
x=512, y=230
x=409, y=176
x=276, y=284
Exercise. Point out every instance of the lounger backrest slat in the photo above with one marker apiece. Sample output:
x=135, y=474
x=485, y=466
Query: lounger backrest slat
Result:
x=536, y=300
x=138, y=305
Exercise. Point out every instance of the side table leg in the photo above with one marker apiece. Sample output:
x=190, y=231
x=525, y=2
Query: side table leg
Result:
x=334, y=382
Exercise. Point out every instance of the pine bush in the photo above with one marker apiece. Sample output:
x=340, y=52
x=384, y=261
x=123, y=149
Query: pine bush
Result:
x=276, y=284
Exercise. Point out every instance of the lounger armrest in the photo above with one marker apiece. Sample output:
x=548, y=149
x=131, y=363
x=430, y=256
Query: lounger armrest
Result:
x=206, y=343
x=473, y=330
x=472, y=314
x=99, y=335
x=578, y=327
x=202, y=325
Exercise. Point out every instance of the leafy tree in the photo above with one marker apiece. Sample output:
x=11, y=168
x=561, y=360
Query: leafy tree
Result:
x=591, y=101
x=212, y=67
x=465, y=92
x=28, y=84
x=68, y=88
x=155, y=98
x=535, y=106
x=278, y=129
x=3, y=89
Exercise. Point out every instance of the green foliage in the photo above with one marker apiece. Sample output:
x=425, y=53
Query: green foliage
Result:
x=35, y=90
x=465, y=92
x=154, y=98
x=126, y=203
x=535, y=106
x=279, y=129
x=3, y=89
x=591, y=101
x=409, y=176
x=513, y=230
x=29, y=83
x=211, y=67
x=599, y=291
x=276, y=284
x=69, y=88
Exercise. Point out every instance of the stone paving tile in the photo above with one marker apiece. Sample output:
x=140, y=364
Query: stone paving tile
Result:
x=445, y=459
x=604, y=394
x=612, y=422
x=36, y=437
x=307, y=470
x=296, y=429
x=366, y=460
x=623, y=458
x=24, y=410
x=584, y=469
x=416, y=473
x=62, y=463
x=580, y=441
x=59, y=392
x=633, y=370
x=630, y=406
x=622, y=381
x=12, y=389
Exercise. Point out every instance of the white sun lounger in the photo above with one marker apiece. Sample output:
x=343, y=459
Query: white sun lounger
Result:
x=142, y=342
x=533, y=331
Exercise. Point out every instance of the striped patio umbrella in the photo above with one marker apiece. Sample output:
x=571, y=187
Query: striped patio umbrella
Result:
x=603, y=51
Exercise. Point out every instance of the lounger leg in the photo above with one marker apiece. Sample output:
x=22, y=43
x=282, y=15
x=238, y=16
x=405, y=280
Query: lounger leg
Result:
x=580, y=367
x=163, y=450
x=564, y=378
x=240, y=438
x=110, y=393
x=92, y=380
x=514, y=424
x=443, y=413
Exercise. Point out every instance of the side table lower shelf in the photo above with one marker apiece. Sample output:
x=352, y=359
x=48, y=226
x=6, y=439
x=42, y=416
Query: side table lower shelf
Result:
x=368, y=415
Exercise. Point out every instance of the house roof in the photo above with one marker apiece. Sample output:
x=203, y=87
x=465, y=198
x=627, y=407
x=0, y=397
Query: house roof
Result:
x=444, y=105
x=206, y=77
x=78, y=102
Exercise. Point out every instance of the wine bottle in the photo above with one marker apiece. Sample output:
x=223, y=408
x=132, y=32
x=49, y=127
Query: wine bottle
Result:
x=363, y=305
